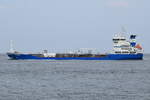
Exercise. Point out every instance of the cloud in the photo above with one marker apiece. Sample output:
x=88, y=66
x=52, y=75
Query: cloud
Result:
x=118, y=4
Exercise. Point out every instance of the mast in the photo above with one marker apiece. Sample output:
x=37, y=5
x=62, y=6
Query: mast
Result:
x=123, y=31
x=11, y=46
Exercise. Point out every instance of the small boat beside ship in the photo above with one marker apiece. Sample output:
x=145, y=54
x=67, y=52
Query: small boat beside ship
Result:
x=123, y=49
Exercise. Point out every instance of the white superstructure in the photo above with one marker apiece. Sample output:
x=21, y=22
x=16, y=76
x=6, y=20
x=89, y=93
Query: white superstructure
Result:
x=123, y=46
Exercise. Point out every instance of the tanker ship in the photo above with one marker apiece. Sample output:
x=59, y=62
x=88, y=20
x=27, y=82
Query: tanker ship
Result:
x=123, y=49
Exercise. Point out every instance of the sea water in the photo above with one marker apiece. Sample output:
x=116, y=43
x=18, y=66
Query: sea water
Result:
x=74, y=79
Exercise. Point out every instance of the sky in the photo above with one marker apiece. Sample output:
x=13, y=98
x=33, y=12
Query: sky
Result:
x=35, y=25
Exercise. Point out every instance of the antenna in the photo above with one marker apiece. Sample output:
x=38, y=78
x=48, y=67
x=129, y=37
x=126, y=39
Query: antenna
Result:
x=11, y=46
x=123, y=33
x=123, y=29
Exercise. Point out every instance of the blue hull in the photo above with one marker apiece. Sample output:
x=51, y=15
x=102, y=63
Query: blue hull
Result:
x=107, y=57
